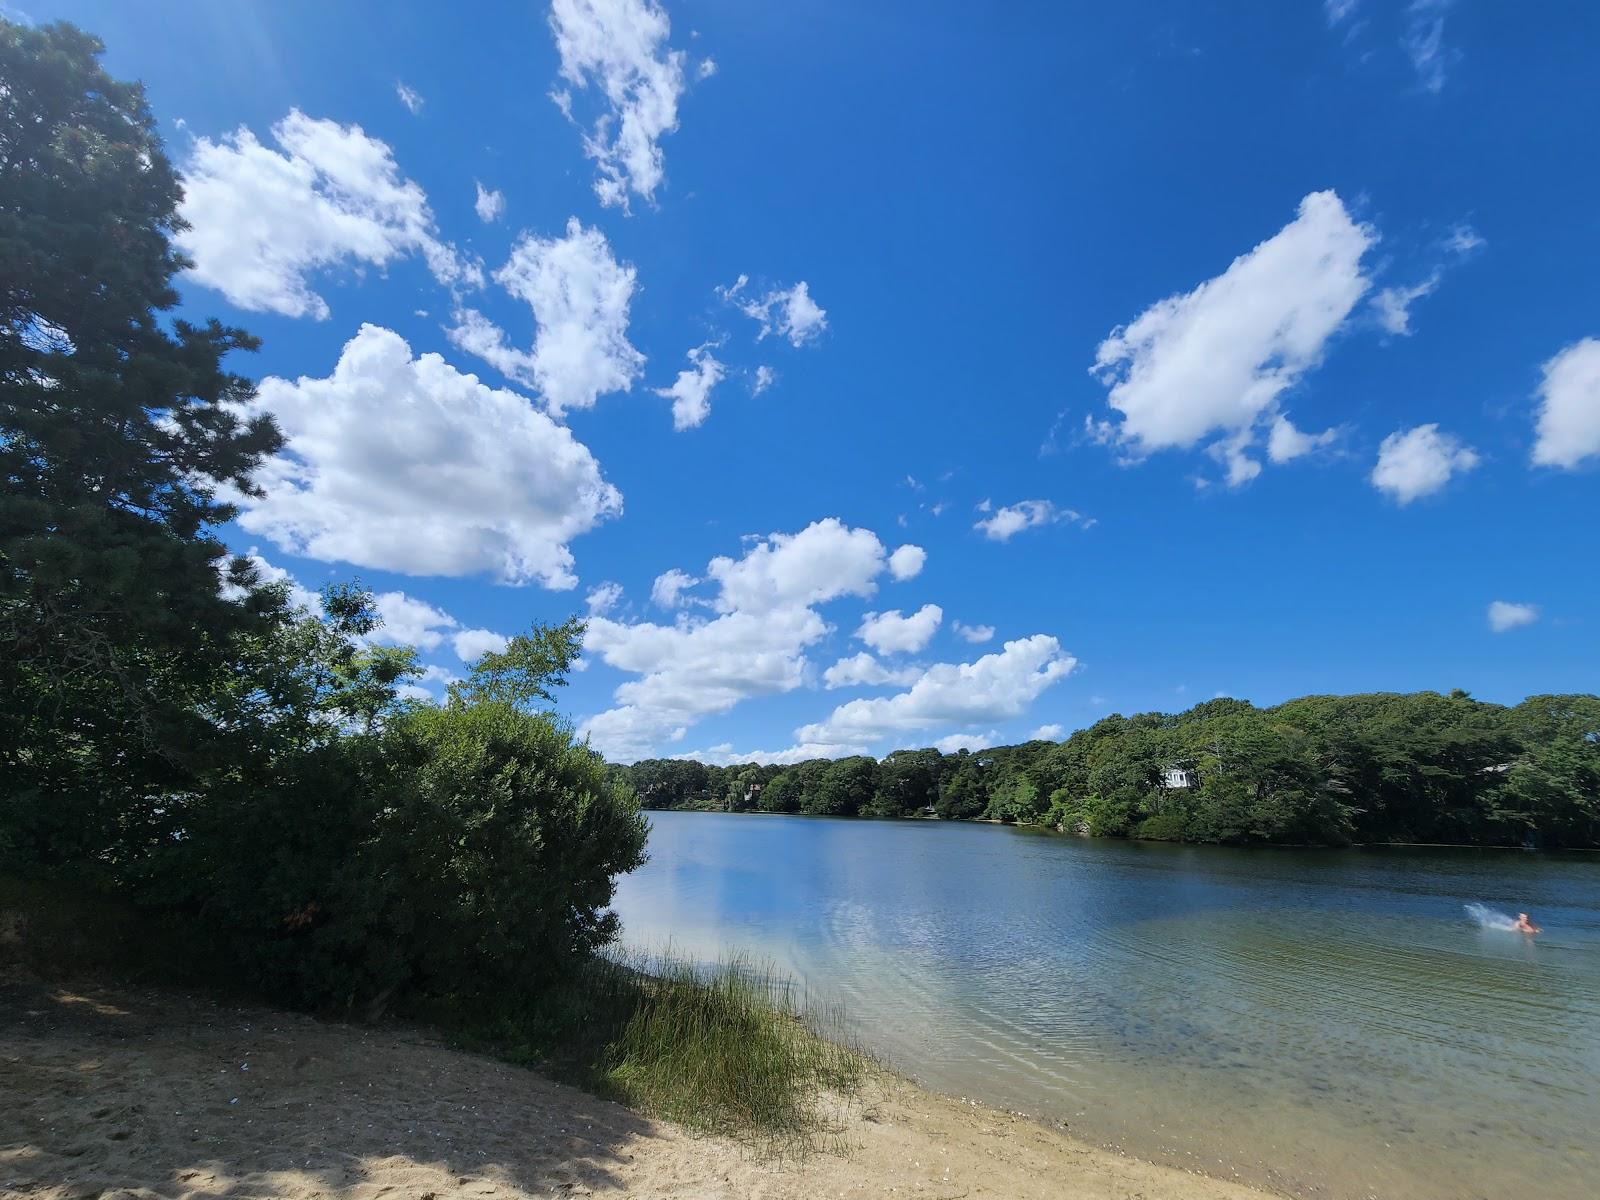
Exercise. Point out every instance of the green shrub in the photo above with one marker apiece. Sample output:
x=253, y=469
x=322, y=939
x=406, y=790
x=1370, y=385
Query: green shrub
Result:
x=1163, y=827
x=462, y=856
x=502, y=838
x=62, y=929
x=1102, y=816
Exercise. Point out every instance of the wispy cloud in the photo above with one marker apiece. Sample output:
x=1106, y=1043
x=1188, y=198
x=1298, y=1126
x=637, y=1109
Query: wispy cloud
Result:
x=789, y=312
x=1424, y=42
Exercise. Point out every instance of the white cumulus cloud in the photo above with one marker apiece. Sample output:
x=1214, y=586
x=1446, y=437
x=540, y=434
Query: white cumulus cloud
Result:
x=1002, y=524
x=976, y=634
x=404, y=620
x=408, y=621
x=997, y=687
x=906, y=562
x=1047, y=733
x=691, y=670
x=755, y=645
x=893, y=633
x=580, y=297
x=472, y=644
x=789, y=312
x=405, y=464
x=1418, y=462
x=1393, y=304
x=690, y=393
x=1569, y=407
x=1285, y=443
x=1503, y=615
x=409, y=97
x=619, y=48
x=1216, y=360
x=863, y=670
x=669, y=586
x=824, y=560
x=603, y=598
x=489, y=204
x=261, y=221
x=970, y=742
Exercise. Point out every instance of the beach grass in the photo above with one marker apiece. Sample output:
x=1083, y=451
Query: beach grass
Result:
x=735, y=1047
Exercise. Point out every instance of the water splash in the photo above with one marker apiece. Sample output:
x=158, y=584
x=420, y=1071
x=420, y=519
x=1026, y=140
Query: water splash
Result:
x=1488, y=918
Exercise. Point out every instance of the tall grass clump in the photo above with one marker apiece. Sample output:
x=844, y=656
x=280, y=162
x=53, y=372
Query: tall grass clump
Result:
x=735, y=1048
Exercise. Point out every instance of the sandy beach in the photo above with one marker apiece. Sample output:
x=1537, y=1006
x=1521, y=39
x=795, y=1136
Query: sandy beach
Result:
x=123, y=1092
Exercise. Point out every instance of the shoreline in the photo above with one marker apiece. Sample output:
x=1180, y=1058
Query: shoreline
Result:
x=1087, y=837
x=172, y=1094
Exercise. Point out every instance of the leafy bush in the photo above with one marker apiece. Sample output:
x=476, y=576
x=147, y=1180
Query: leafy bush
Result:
x=1164, y=827
x=461, y=856
x=500, y=839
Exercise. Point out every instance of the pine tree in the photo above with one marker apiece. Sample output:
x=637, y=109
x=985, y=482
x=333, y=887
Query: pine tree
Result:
x=120, y=435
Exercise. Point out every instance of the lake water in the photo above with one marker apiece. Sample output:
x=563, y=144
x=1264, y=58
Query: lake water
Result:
x=1329, y=1023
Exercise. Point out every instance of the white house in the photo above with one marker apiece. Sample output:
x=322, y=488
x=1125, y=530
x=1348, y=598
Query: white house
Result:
x=1179, y=777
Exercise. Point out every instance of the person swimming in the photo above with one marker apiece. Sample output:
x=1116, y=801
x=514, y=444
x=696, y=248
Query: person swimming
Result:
x=1523, y=925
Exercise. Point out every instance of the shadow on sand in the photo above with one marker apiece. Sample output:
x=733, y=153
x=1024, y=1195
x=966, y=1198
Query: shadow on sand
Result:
x=161, y=1093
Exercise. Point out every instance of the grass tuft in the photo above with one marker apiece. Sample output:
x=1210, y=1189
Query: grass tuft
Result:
x=736, y=1049
x=733, y=1048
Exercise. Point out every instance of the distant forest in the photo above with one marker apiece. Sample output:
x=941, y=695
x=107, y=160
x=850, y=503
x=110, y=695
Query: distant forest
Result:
x=1321, y=770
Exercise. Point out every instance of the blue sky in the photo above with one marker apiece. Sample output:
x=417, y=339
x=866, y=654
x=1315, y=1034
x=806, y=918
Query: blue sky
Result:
x=1198, y=352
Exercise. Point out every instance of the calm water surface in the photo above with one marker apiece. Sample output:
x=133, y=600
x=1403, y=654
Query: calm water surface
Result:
x=1329, y=1023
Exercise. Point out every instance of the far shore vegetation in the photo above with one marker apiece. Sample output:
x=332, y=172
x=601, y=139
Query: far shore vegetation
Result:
x=205, y=783
x=1320, y=770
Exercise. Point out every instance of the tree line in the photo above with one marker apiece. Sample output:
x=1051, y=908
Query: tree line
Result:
x=1322, y=770
x=172, y=730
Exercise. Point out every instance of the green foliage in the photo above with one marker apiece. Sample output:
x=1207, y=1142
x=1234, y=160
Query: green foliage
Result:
x=1100, y=816
x=908, y=782
x=1014, y=797
x=63, y=930
x=961, y=791
x=527, y=672
x=1164, y=827
x=503, y=840
x=782, y=794
x=117, y=432
x=1321, y=770
x=846, y=786
x=458, y=856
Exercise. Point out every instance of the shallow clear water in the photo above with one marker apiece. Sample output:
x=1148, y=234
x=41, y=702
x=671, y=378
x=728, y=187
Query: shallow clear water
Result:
x=1331, y=1023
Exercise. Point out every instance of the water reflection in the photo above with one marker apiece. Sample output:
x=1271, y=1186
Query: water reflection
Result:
x=1303, y=1017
